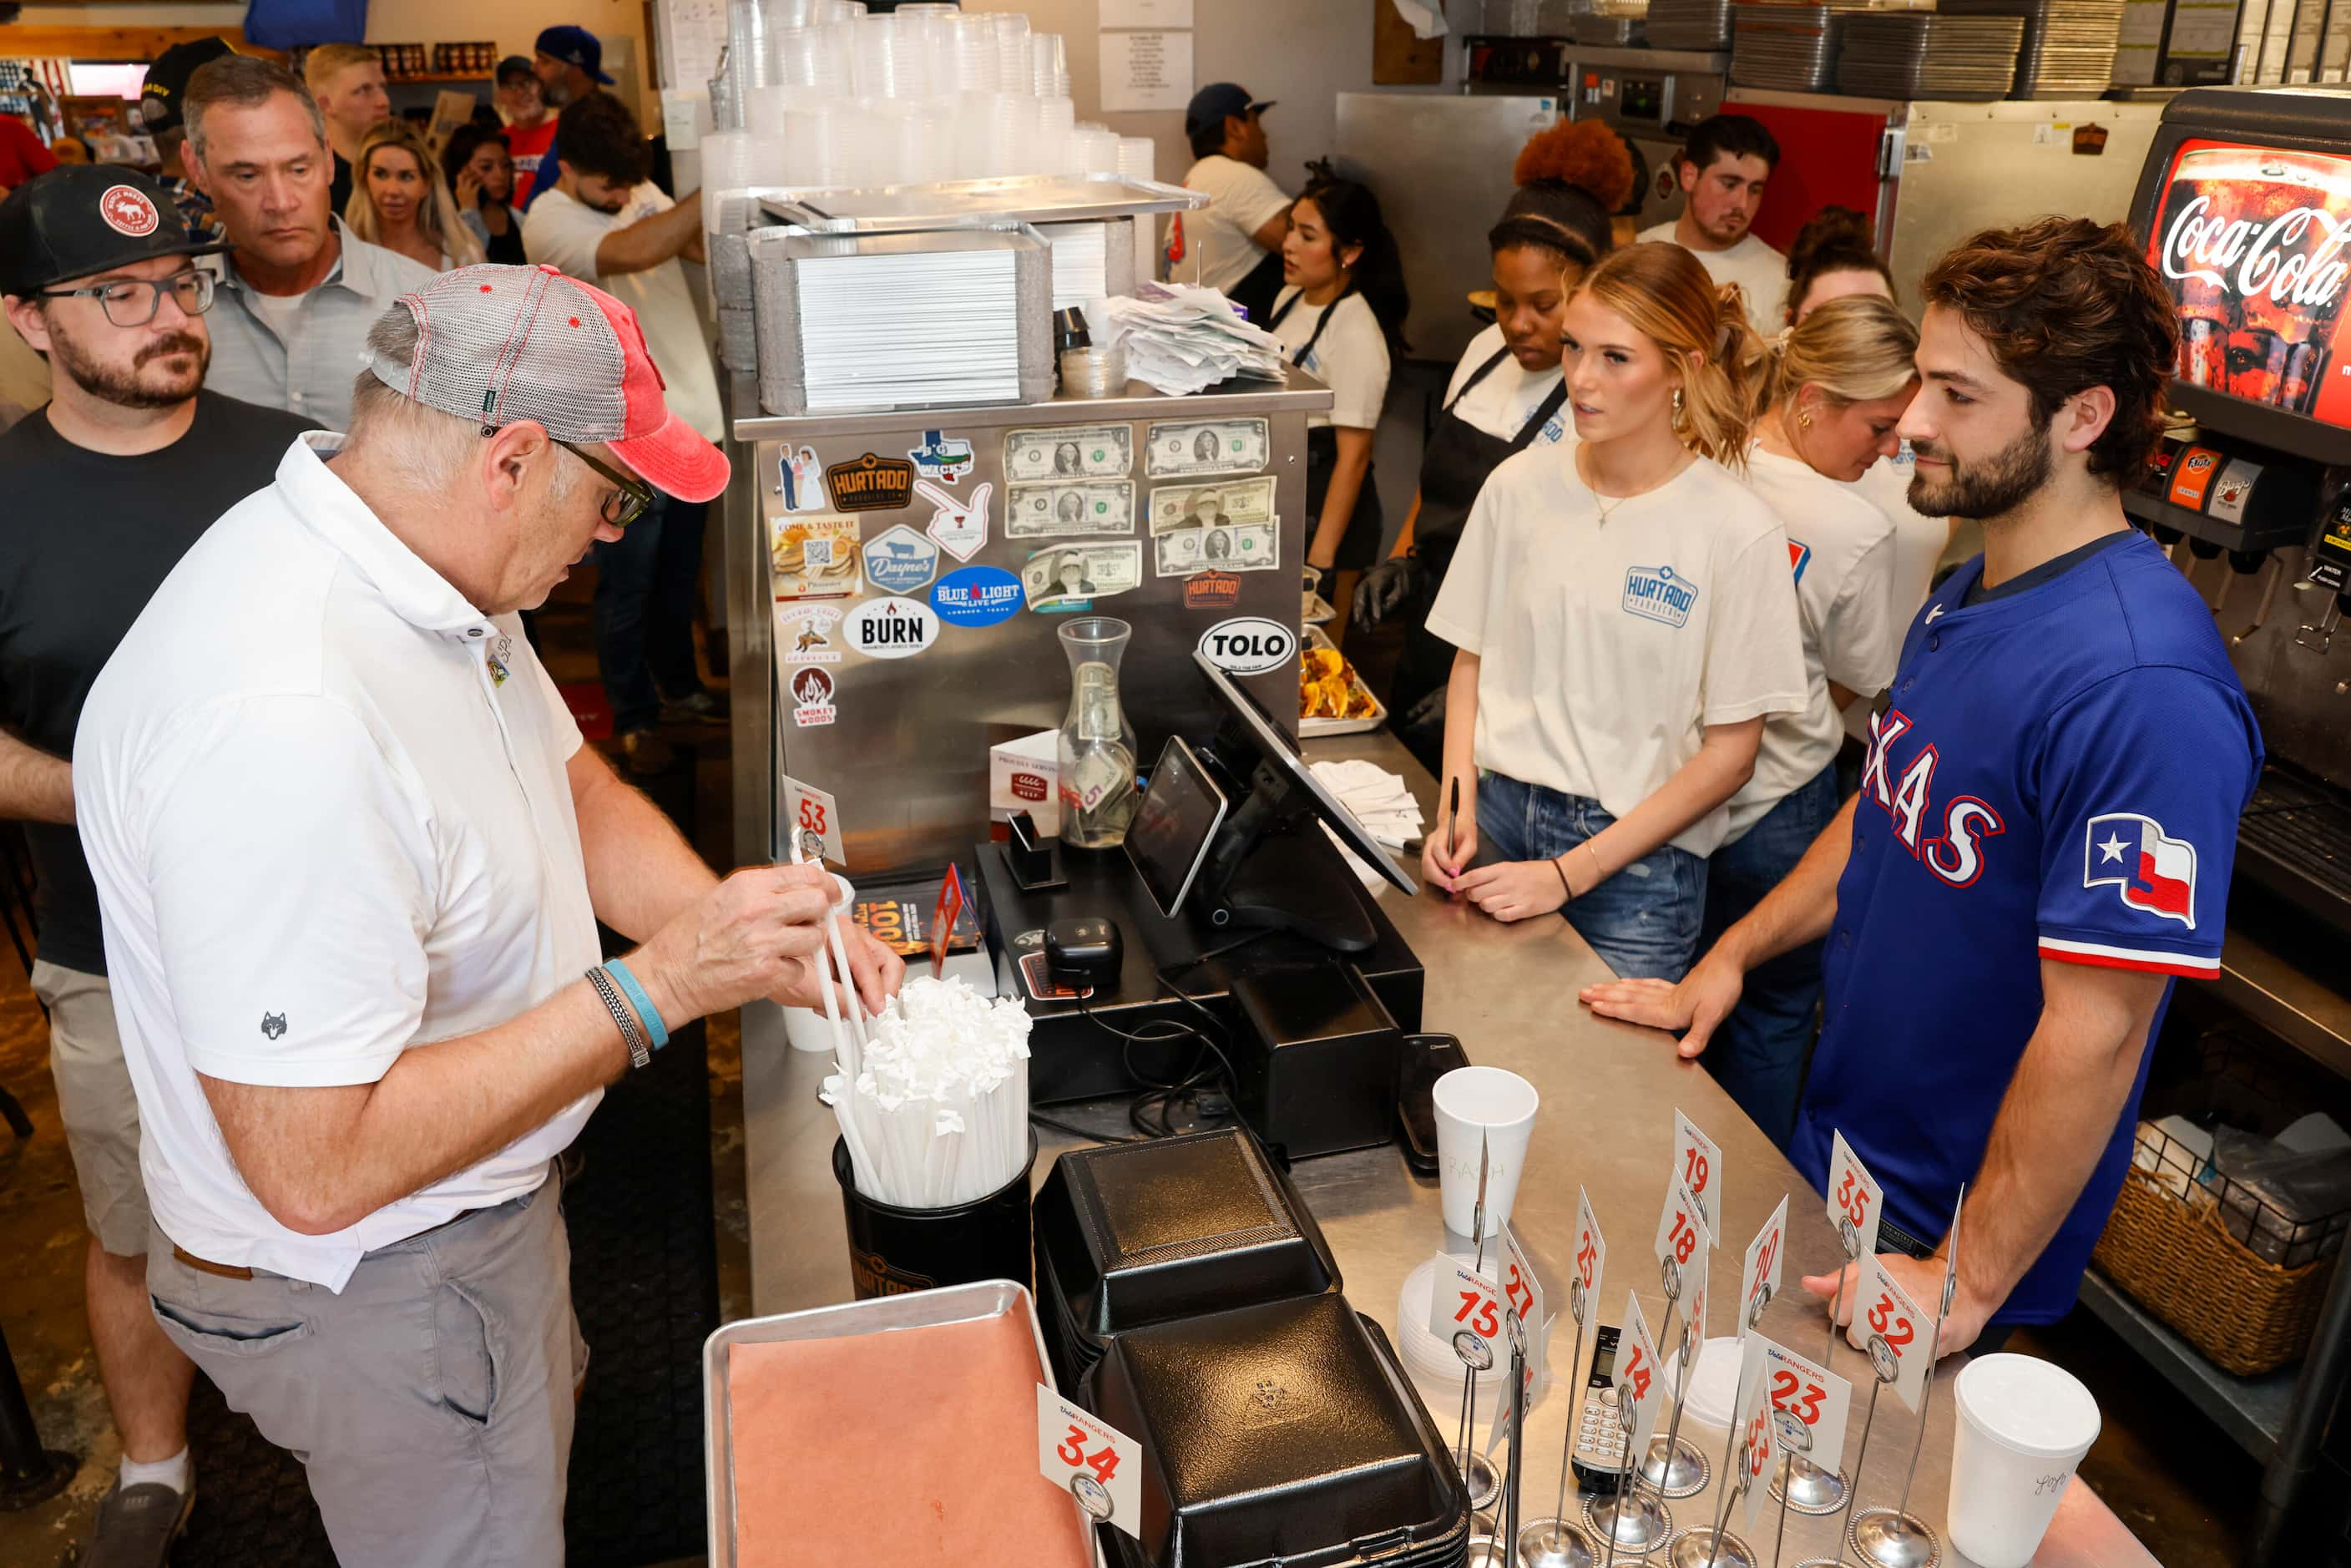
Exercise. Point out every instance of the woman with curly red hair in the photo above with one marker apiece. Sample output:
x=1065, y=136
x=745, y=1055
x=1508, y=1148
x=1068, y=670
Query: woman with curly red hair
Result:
x=1507, y=394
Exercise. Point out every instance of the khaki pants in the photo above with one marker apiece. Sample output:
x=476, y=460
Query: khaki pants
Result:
x=431, y=1401
x=95, y=1102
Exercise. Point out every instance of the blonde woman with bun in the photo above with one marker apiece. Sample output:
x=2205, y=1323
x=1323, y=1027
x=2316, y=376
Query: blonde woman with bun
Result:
x=1626, y=621
x=400, y=201
x=1836, y=386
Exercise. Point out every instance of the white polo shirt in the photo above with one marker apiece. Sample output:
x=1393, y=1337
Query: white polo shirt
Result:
x=1842, y=554
x=1607, y=645
x=325, y=804
x=1241, y=198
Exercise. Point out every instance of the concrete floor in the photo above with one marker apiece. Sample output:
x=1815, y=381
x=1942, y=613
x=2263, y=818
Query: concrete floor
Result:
x=2181, y=1487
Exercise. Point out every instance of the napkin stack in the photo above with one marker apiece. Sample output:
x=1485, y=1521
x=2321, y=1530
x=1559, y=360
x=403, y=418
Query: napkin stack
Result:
x=1180, y=340
x=1380, y=800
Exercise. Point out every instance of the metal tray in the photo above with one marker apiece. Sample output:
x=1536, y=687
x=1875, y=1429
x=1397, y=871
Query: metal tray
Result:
x=847, y=1320
x=1030, y=198
x=1309, y=727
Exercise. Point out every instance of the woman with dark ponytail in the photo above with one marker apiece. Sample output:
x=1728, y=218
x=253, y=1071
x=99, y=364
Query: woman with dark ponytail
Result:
x=1506, y=395
x=1627, y=620
x=1339, y=315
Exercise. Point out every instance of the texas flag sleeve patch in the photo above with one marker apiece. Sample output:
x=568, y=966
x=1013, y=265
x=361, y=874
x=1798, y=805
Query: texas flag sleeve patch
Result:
x=2148, y=869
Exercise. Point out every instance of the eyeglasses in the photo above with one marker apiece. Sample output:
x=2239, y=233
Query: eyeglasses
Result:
x=133, y=302
x=630, y=497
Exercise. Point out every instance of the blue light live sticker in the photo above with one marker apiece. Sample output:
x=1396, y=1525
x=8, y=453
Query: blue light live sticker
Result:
x=977, y=596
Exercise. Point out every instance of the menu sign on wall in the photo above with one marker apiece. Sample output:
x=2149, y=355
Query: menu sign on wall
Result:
x=2254, y=247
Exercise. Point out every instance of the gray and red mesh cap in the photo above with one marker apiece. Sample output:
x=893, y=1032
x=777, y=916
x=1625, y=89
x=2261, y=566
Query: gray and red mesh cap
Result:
x=506, y=343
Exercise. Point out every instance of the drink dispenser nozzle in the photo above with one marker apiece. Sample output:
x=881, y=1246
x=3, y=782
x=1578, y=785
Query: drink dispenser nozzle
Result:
x=2274, y=575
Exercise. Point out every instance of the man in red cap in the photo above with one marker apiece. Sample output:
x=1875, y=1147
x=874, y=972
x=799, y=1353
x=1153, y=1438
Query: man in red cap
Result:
x=351, y=857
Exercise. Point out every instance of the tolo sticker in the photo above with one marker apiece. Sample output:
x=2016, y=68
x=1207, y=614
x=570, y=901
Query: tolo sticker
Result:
x=1248, y=645
x=812, y=698
x=806, y=634
x=901, y=560
x=891, y=628
x=1212, y=591
x=870, y=484
x=799, y=480
x=942, y=457
x=127, y=210
x=977, y=596
x=959, y=526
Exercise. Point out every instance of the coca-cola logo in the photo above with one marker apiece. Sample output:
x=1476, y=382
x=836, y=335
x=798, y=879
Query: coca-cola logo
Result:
x=2276, y=259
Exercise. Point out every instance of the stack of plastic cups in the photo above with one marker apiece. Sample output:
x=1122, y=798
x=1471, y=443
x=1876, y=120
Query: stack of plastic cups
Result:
x=803, y=145
x=1055, y=118
x=1097, y=151
x=839, y=10
x=977, y=66
x=1013, y=71
x=834, y=68
x=792, y=58
x=728, y=156
x=874, y=57
x=788, y=12
x=763, y=114
x=1048, y=65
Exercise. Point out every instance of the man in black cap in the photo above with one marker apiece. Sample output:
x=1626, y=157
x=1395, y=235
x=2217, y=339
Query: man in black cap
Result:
x=1235, y=244
x=109, y=483
x=569, y=64
x=160, y=111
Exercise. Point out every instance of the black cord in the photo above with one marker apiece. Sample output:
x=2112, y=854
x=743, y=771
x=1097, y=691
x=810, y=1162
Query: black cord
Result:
x=1074, y=1130
x=1149, y=1113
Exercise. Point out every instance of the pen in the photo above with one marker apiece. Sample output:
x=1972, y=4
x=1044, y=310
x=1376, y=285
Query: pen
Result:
x=1453, y=822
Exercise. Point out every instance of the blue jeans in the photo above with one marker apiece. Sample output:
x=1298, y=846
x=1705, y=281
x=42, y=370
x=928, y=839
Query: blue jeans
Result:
x=1758, y=1055
x=1644, y=920
x=647, y=581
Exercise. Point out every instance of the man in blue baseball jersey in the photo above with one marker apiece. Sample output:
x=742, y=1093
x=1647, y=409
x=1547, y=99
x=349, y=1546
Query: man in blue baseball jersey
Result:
x=2048, y=811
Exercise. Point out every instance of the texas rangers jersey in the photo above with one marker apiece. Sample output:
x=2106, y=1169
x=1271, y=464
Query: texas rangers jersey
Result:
x=2055, y=774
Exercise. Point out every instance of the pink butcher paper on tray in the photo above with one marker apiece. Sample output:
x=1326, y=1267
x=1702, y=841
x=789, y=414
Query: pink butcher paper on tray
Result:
x=912, y=1446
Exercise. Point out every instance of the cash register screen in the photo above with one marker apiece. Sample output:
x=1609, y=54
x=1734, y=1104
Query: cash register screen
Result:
x=1172, y=829
x=2246, y=241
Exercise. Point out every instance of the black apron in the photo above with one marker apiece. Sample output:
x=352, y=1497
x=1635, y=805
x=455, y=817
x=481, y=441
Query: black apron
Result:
x=1257, y=287
x=1359, y=546
x=1453, y=468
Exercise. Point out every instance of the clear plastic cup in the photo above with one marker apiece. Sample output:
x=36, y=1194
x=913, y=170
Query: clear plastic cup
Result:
x=2023, y=1426
x=1484, y=1106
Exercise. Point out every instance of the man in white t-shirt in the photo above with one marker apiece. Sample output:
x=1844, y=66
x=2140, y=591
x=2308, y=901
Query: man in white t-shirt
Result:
x=603, y=222
x=1723, y=169
x=350, y=858
x=1234, y=243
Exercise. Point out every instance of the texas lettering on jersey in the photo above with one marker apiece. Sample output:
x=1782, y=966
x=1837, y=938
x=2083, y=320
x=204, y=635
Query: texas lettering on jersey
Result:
x=1951, y=845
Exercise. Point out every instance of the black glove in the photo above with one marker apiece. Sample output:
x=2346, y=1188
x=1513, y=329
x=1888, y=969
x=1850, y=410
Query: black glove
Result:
x=1430, y=710
x=1386, y=587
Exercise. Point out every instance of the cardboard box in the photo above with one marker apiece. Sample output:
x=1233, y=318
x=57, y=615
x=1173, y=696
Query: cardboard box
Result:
x=1025, y=775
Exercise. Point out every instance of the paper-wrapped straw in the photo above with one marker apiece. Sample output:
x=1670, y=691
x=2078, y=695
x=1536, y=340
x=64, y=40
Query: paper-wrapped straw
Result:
x=941, y=1105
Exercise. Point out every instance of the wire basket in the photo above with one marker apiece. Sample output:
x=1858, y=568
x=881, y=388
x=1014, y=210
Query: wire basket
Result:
x=2238, y=1280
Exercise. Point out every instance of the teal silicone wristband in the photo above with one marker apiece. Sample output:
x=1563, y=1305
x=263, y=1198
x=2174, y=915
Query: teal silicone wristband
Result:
x=654, y=1028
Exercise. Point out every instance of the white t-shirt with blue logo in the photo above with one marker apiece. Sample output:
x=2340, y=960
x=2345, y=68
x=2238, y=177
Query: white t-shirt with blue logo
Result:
x=1501, y=404
x=1606, y=648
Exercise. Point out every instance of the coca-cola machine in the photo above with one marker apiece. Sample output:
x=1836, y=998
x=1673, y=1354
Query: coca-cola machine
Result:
x=2244, y=204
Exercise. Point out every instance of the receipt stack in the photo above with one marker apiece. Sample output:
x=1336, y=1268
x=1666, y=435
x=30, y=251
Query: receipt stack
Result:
x=1380, y=799
x=1179, y=340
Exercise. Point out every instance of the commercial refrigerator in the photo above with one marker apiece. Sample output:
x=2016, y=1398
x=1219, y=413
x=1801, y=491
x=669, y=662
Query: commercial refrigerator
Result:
x=1929, y=174
x=902, y=742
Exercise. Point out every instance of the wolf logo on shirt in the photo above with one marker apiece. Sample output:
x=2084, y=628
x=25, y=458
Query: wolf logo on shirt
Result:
x=2148, y=869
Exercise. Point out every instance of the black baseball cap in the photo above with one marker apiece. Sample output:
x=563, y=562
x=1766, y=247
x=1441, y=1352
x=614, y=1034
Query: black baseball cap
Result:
x=512, y=67
x=1213, y=102
x=82, y=219
x=166, y=86
x=574, y=46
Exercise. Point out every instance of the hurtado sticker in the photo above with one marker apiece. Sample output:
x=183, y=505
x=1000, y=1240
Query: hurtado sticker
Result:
x=870, y=484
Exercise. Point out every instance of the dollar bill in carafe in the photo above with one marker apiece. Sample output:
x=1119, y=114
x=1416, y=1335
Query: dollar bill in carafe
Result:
x=2253, y=245
x=1096, y=748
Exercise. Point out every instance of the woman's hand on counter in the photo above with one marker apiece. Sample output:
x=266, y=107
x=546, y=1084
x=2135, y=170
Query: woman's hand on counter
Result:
x=1515, y=890
x=1922, y=1278
x=1693, y=1007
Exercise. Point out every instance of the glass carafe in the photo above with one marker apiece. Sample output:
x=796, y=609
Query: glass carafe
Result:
x=1097, y=748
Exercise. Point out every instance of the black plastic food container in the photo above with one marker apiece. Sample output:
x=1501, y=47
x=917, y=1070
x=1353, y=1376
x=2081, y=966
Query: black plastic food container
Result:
x=1133, y=1234
x=1283, y=1433
x=893, y=1250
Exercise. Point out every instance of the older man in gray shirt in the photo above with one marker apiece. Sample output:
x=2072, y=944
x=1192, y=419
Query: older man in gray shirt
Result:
x=298, y=293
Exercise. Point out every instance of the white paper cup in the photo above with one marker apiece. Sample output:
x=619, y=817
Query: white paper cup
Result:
x=1472, y=1102
x=2023, y=1426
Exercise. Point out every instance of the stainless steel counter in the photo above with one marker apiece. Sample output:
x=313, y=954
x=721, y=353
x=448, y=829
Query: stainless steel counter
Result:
x=1609, y=1095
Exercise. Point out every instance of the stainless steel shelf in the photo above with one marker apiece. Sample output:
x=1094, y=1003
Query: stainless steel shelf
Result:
x=2289, y=1002
x=2250, y=1410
